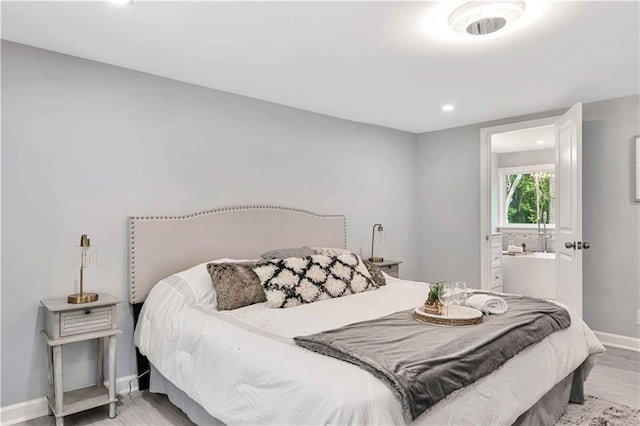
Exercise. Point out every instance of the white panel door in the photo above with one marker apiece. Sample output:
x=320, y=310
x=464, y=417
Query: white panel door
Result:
x=569, y=208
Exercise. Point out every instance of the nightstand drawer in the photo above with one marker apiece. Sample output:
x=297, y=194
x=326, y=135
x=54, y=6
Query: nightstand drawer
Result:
x=392, y=270
x=85, y=320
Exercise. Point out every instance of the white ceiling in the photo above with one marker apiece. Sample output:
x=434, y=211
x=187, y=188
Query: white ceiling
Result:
x=523, y=140
x=371, y=62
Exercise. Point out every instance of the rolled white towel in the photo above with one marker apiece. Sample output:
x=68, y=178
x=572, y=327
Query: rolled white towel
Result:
x=487, y=304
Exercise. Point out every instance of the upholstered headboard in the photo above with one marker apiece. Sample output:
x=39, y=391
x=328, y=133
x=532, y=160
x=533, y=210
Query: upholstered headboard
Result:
x=160, y=246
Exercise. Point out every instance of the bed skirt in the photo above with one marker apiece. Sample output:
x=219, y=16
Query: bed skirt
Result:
x=546, y=411
x=159, y=384
x=549, y=409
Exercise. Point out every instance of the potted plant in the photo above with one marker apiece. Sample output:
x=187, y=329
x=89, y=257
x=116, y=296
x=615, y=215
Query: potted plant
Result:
x=433, y=305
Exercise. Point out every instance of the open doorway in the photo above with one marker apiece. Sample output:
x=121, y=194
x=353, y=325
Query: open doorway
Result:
x=560, y=212
x=522, y=182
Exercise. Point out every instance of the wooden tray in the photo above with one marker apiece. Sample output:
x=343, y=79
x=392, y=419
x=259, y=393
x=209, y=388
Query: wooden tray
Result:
x=456, y=316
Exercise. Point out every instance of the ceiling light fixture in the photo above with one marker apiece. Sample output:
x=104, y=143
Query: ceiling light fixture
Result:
x=120, y=2
x=480, y=18
x=448, y=107
x=540, y=142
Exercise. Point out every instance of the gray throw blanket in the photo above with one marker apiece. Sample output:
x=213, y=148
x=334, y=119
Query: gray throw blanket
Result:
x=424, y=363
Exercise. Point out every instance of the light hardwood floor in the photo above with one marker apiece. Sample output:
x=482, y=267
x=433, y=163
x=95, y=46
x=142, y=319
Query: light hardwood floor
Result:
x=616, y=377
x=138, y=409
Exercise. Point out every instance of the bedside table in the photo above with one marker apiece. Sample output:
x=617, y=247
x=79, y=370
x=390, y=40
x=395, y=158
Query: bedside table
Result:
x=389, y=267
x=69, y=323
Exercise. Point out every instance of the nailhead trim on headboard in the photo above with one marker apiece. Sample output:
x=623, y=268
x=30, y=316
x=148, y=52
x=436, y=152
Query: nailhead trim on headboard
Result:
x=134, y=219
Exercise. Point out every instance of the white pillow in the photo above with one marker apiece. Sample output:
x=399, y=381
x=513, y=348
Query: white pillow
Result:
x=199, y=280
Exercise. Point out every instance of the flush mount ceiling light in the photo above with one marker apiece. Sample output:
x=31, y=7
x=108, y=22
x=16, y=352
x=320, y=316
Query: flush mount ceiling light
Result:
x=477, y=20
x=448, y=107
x=120, y=2
x=540, y=142
x=480, y=18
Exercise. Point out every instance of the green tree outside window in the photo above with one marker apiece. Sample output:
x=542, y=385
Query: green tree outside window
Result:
x=527, y=196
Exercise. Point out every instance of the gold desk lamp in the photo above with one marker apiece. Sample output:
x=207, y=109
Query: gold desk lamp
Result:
x=86, y=257
x=373, y=237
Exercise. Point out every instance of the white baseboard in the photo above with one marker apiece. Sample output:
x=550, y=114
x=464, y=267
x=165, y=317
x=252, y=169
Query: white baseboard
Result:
x=23, y=411
x=28, y=410
x=617, y=341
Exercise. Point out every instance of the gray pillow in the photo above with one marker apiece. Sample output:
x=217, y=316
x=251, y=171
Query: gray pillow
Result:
x=330, y=251
x=285, y=253
x=376, y=274
x=236, y=285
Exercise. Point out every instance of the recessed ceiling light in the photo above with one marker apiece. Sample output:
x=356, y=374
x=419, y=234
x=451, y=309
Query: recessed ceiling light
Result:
x=540, y=142
x=448, y=107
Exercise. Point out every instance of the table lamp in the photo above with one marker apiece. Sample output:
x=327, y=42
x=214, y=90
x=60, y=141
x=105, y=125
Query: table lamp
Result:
x=85, y=257
x=378, y=227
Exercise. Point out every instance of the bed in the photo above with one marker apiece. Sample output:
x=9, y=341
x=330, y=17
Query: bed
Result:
x=242, y=367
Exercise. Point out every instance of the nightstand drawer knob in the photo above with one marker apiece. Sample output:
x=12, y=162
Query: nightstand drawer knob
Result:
x=87, y=311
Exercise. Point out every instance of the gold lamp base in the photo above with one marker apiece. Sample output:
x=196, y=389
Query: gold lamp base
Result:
x=376, y=259
x=82, y=298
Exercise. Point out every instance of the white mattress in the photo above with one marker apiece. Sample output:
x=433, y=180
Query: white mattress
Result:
x=243, y=367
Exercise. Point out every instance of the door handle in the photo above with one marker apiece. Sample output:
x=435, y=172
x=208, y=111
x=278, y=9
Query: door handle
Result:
x=586, y=245
x=570, y=245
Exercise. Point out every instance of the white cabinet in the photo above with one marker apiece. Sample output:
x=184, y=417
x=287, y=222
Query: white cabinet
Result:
x=495, y=281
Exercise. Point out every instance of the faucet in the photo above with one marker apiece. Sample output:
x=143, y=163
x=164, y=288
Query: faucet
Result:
x=542, y=235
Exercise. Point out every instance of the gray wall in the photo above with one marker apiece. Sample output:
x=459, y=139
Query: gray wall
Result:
x=611, y=218
x=448, y=208
x=87, y=144
x=448, y=205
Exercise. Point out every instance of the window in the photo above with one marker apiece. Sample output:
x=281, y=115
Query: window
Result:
x=527, y=194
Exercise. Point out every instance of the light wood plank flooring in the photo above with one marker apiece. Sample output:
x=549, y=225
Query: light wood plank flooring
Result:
x=139, y=408
x=616, y=377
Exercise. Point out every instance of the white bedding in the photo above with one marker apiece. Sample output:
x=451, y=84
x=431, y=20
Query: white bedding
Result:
x=243, y=367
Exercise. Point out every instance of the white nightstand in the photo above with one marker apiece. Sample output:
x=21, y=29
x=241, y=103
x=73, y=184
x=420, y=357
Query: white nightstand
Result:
x=389, y=267
x=68, y=323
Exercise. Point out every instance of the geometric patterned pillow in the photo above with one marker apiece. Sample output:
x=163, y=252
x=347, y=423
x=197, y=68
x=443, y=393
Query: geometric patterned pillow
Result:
x=374, y=271
x=297, y=280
